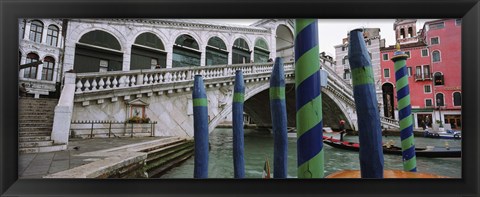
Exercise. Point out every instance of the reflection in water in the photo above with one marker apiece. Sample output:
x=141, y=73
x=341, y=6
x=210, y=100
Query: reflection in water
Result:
x=259, y=145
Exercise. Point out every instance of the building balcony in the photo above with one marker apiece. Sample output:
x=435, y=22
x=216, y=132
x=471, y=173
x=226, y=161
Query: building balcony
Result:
x=423, y=77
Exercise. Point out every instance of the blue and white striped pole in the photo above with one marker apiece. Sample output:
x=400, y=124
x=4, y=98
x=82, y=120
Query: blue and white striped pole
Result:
x=404, y=111
x=309, y=118
x=237, y=118
x=278, y=111
x=200, y=126
x=369, y=131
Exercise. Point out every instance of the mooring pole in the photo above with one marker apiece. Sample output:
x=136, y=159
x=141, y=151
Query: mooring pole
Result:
x=404, y=111
x=200, y=125
x=369, y=131
x=278, y=111
x=237, y=121
x=309, y=117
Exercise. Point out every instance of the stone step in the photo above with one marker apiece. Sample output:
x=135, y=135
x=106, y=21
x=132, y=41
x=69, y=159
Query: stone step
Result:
x=36, y=113
x=169, y=161
x=35, y=120
x=30, y=116
x=43, y=149
x=36, y=124
x=35, y=133
x=35, y=144
x=34, y=138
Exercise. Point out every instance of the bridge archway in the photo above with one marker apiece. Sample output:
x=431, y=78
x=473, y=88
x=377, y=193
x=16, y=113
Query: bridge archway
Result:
x=284, y=43
x=240, y=51
x=148, y=51
x=216, y=52
x=98, y=51
x=186, y=52
x=257, y=106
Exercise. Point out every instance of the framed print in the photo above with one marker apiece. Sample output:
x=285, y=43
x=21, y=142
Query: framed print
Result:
x=225, y=98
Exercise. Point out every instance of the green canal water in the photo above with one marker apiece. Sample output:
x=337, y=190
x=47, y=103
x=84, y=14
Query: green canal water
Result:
x=259, y=145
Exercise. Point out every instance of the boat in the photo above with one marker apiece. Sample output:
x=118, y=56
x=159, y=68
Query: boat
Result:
x=429, y=151
x=444, y=133
x=449, y=134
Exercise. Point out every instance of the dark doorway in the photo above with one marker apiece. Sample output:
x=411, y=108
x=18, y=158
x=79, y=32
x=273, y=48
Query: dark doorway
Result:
x=388, y=100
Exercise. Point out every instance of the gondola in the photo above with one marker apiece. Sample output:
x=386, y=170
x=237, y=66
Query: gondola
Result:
x=394, y=150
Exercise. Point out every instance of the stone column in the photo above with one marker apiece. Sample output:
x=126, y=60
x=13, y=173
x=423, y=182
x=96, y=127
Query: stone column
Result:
x=27, y=30
x=126, y=59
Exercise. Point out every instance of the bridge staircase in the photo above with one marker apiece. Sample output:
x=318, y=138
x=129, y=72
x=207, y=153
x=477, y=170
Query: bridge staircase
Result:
x=35, y=123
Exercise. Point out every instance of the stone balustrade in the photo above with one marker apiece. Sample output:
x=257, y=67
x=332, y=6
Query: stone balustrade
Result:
x=98, y=86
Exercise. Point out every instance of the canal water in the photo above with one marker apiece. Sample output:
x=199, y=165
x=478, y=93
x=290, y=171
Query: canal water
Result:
x=259, y=145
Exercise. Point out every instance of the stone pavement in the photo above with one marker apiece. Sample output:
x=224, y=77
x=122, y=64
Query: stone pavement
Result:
x=37, y=165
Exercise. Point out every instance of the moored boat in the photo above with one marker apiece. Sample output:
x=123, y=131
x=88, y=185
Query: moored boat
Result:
x=429, y=151
x=450, y=134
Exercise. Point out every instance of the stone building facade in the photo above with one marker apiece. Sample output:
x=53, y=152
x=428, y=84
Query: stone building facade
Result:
x=373, y=42
x=98, y=45
x=41, y=40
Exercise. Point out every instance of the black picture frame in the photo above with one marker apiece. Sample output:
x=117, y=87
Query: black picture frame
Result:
x=468, y=10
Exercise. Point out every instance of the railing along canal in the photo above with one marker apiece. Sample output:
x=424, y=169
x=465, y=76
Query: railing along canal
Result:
x=108, y=128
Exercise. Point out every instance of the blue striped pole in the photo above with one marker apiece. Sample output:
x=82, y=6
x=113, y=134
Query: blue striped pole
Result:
x=278, y=111
x=404, y=111
x=370, y=133
x=200, y=126
x=309, y=117
x=237, y=118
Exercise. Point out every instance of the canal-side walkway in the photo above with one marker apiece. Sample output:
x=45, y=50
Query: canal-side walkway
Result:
x=37, y=165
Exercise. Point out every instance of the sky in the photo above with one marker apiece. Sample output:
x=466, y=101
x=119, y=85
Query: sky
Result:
x=332, y=31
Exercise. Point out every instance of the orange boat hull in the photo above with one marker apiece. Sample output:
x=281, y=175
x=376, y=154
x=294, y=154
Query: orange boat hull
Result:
x=386, y=174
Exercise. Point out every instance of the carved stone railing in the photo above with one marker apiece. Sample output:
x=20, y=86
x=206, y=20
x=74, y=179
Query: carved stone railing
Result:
x=98, y=86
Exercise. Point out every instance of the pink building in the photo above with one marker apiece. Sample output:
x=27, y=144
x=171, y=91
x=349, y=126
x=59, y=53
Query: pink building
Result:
x=434, y=69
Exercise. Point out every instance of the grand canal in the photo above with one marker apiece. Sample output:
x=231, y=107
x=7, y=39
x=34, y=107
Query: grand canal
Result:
x=259, y=145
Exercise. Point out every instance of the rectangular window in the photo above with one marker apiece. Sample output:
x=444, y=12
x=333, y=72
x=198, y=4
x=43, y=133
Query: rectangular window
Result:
x=385, y=57
x=439, y=25
x=103, y=66
x=428, y=102
x=427, y=89
x=458, y=21
x=434, y=40
x=386, y=73
x=424, y=52
x=407, y=53
x=409, y=71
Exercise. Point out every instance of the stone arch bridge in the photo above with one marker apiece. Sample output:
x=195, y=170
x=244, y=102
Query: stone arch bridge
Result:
x=164, y=95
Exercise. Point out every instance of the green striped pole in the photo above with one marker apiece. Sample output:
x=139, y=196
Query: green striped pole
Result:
x=278, y=112
x=200, y=128
x=369, y=130
x=237, y=121
x=308, y=100
x=404, y=111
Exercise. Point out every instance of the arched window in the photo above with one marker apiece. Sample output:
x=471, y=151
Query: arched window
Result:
x=240, y=52
x=261, y=52
x=36, y=29
x=186, y=52
x=31, y=72
x=52, y=35
x=48, y=65
x=410, y=32
x=216, y=52
x=436, y=56
x=345, y=60
x=148, y=52
x=98, y=51
x=438, y=77
x=440, y=99
x=457, y=99
x=402, y=33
